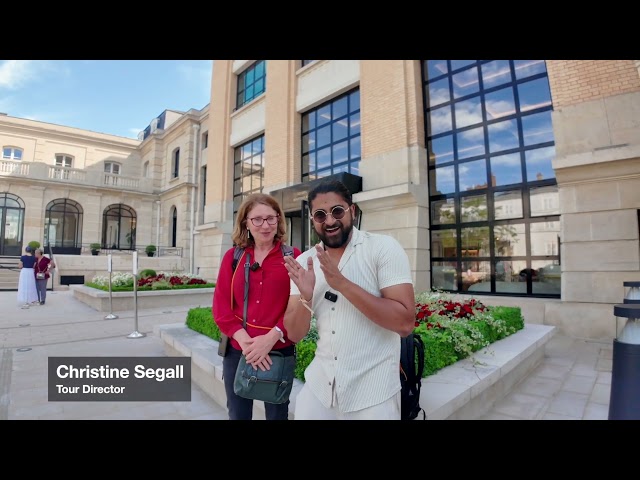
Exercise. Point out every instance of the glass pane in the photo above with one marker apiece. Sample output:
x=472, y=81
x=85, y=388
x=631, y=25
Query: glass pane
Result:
x=438, y=92
x=444, y=276
x=539, y=163
x=503, y=136
x=465, y=83
x=506, y=169
x=340, y=107
x=548, y=277
x=475, y=242
x=354, y=101
x=510, y=240
x=507, y=205
x=340, y=129
x=527, y=68
x=442, y=180
x=456, y=64
x=496, y=73
x=476, y=276
x=500, y=103
x=323, y=136
x=246, y=151
x=436, y=68
x=468, y=112
x=248, y=94
x=545, y=201
x=472, y=175
x=354, y=124
x=473, y=209
x=471, y=143
x=439, y=120
x=354, y=148
x=508, y=279
x=305, y=123
x=355, y=168
x=17, y=154
x=441, y=150
x=324, y=115
x=537, y=128
x=544, y=238
x=249, y=77
x=259, y=87
x=116, y=169
x=259, y=69
x=534, y=94
x=324, y=158
x=443, y=211
x=340, y=153
x=444, y=243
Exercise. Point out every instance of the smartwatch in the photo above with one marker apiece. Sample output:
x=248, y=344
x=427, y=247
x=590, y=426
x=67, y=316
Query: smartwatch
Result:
x=277, y=328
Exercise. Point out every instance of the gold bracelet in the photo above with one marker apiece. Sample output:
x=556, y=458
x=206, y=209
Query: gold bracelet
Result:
x=305, y=303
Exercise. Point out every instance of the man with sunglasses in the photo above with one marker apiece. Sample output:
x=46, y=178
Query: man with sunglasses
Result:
x=359, y=287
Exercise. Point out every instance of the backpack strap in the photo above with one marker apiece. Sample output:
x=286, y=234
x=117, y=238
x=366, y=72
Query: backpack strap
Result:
x=238, y=253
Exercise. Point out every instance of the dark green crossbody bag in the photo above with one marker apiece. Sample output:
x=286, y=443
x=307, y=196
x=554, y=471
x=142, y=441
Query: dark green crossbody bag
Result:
x=273, y=385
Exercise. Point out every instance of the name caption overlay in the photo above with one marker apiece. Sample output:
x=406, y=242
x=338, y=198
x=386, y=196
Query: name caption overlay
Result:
x=119, y=379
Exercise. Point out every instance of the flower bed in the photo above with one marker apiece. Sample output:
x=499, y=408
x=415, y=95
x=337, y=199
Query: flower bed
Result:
x=149, y=280
x=450, y=329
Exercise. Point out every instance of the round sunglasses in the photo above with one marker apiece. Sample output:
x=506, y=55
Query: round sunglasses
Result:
x=337, y=212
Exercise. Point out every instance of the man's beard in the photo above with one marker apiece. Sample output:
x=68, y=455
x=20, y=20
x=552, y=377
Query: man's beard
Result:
x=338, y=241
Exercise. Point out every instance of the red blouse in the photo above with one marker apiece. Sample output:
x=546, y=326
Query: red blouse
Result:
x=269, y=287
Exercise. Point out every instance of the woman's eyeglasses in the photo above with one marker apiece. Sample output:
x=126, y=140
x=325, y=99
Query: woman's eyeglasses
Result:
x=258, y=221
x=337, y=212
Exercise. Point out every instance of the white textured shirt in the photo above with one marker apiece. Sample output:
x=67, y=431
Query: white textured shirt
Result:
x=359, y=356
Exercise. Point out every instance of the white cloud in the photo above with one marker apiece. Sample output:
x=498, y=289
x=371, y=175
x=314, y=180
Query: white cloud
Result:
x=15, y=74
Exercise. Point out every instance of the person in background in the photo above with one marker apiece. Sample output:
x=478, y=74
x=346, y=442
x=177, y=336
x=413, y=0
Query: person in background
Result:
x=259, y=229
x=41, y=268
x=360, y=289
x=27, y=293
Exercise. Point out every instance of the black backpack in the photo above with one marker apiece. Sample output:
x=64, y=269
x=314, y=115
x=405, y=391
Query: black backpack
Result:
x=411, y=351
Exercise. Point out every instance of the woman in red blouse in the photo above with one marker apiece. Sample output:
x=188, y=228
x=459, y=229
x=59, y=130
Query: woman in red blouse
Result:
x=42, y=268
x=259, y=229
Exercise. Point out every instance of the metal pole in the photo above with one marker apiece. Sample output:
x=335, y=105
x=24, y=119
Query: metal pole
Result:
x=111, y=316
x=135, y=333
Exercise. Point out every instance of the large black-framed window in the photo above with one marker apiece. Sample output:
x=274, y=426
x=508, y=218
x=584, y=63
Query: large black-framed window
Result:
x=63, y=223
x=304, y=63
x=252, y=83
x=494, y=203
x=119, y=227
x=331, y=138
x=248, y=170
x=12, y=215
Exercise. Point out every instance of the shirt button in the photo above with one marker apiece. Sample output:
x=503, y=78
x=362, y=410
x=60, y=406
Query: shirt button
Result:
x=329, y=383
x=254, y=320
x=260, y=283
x=335, y=358
x=333, y=308
x=257, y=301
x=332, y=331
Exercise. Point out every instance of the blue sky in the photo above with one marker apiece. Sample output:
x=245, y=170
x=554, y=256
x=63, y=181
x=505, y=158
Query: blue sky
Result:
x=119, y=97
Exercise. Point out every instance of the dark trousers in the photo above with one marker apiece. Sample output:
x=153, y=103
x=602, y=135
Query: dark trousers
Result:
x=242, y=408
x=41, y=287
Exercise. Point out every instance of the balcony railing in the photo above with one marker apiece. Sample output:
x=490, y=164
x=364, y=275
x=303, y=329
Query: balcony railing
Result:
x=95, y=178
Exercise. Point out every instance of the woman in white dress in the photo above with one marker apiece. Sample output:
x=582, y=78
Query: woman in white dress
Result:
x=27, y=292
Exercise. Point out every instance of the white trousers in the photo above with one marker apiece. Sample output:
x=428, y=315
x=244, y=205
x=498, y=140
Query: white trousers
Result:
x=308, y=407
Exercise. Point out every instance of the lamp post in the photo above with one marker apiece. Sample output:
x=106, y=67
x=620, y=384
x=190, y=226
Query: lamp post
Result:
x=624, y=403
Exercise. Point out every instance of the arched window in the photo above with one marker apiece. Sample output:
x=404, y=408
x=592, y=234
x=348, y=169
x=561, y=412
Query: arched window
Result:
x=11, y=153
x=175, y=163
x=11, y=224
x=119, y=227
x=174, y=226
x=63, y=224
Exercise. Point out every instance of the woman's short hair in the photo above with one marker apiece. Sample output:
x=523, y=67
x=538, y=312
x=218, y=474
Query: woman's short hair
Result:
x=240, y=235
x=40, y=250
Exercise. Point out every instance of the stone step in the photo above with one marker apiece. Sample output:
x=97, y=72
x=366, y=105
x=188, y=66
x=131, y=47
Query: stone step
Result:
x=463, y=391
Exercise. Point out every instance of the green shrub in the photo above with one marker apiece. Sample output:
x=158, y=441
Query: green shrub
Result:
x=95, y=246
x=200, y=320
x=446, y=340
x=34, y=244
x=147, y=272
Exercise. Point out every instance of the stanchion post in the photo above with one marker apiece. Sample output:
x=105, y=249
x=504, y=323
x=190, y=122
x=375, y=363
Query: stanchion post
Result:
x=135, y=333
x=111, y=315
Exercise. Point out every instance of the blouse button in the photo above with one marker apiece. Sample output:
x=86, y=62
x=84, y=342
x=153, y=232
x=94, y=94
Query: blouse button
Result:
x=257, y=301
